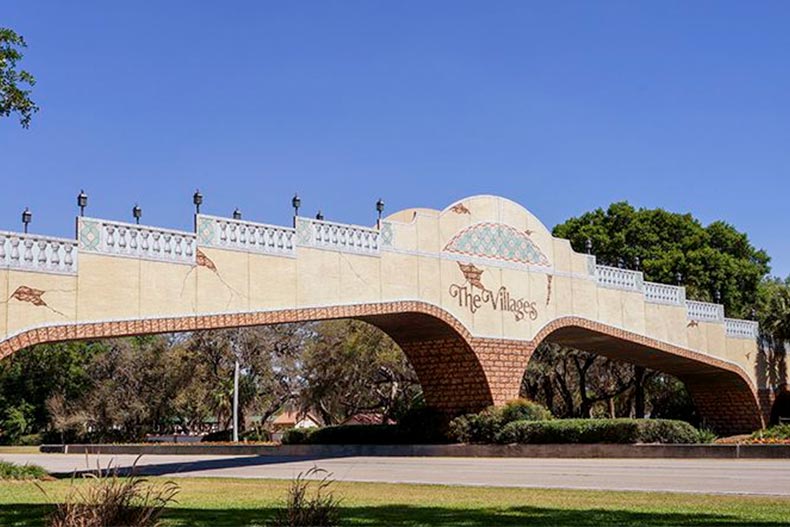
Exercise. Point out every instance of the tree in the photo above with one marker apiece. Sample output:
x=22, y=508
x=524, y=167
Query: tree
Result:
x=710, y=259
x=351, y=367
x=14, y=98
x=714, y=261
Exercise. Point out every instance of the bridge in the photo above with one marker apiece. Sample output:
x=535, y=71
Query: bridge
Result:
x=468, y=293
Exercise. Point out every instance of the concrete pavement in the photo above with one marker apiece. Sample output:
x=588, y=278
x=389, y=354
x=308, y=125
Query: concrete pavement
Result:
x=719, y=476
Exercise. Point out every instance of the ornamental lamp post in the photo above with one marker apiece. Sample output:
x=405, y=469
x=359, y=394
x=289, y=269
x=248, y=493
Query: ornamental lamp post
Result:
x=588, y=246
x=679, y=278
x=296, y=203
x=637, y=263
x=237, y=214
x=82, y=202
x=197, y=200
x=27, y=217
x=319, y=216
x=379, y=210
x=717, y=296
x=137, y=213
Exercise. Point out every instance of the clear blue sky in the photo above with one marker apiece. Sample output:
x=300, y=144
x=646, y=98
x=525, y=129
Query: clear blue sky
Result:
x=562, y=106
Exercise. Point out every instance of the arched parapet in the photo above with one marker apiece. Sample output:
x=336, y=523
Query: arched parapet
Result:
x=723, y=392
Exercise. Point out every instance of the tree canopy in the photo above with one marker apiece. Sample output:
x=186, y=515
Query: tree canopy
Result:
x=14, y=85
x=710, y=259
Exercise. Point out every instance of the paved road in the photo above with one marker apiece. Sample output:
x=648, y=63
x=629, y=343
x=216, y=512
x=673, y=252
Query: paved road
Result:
x=764, y=477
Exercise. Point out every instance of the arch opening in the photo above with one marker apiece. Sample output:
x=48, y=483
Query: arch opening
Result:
x=723, y=397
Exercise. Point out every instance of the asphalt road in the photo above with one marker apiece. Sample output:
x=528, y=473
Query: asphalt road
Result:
x=759, y=477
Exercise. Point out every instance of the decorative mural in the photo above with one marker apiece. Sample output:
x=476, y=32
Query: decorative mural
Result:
x=32, y=296
x=501, y=300
x=460, y=208
x=497, y=241
x=549, y=280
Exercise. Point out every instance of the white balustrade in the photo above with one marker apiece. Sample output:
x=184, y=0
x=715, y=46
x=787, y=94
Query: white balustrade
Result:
x=617, y=278
x=745, y=329
x=338, y=236
x=664, y=294
x=29, y=252
x=246, y=236
x=136, y=241
x=705, y=311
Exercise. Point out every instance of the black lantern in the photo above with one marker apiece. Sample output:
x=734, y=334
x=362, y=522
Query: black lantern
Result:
x=82, y=202
x=296, y=203
x=679, y=278
x=137, y=213
x=197, y=200
x=621, y=263
x=237, y=214
x=380, y=207
x=319, y=216
x=637, y=263
x=588, y=246
x=717, y=296
x=27, y=217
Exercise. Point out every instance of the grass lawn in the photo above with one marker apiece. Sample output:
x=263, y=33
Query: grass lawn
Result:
x=205, y=502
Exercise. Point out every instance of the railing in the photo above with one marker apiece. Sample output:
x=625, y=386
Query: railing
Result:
x=746, y=329
x=705, y=311
x=664, y=294
x=240, y=235
x=136, y=241
x=617, y=278
x=337, y=236
x=37, y=253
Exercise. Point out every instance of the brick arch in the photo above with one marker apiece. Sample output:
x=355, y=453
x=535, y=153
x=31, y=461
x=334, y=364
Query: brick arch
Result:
x=436, y=343
x=723, y=393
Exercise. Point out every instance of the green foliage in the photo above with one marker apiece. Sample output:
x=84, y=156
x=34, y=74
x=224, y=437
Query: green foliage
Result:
x=309, y=502
x=10, y=470
x=524, y=410
x=774, y=432
x=616, y=431
x=706, y=436
x=710, y=258
x=773, y=308
x=13, y=95
x=297, y=436
x=484, y=426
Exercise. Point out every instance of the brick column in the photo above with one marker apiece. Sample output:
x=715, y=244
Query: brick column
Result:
x=725, y=403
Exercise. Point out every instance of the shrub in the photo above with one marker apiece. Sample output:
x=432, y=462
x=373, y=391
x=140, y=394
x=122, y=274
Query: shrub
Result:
x=29, y=440
x=706, y=436
x=306, y=507
x=358, y=435
x=774, y=432
x=620, y=431
x=666, y=431
x=297, y=436
x=111, y=500
x=524, y=410
x=10, y=470
x=484, y=426
x=476, y=428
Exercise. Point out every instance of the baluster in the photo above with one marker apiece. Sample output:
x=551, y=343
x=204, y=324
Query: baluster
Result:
x=110, y=237
x=189, y=251
x=28, y=258
x=145, y=245
x=133, y=240
x=178, y=250
x=168, y=247
x=42, y=253
x=3, y=253
x=54, y=259
x=68, y=259
x=223, y=232
x=233, y=234
x=157, y=247
x=122, y=239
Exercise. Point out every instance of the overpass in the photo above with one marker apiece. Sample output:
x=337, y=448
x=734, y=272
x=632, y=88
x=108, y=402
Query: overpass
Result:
x=468, y=293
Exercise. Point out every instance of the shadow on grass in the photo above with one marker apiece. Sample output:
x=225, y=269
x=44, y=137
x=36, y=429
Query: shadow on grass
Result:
x=415, y=516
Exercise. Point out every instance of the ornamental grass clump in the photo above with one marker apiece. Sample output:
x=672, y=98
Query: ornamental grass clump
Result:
x=310, y=502
x=107, y=499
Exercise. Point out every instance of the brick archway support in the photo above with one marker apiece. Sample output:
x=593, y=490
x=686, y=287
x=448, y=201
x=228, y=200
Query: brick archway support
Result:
x=460, y=372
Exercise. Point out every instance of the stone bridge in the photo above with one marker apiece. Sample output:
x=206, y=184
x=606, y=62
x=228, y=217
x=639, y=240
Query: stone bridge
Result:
x=467, y=292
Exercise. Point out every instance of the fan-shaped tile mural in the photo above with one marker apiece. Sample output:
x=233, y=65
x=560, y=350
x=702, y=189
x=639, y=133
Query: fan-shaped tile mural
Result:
x=497, y=241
